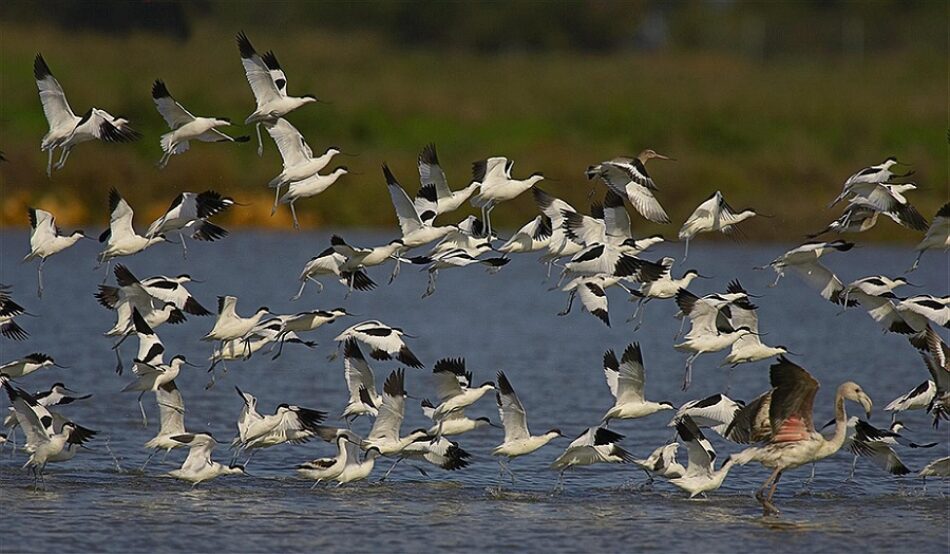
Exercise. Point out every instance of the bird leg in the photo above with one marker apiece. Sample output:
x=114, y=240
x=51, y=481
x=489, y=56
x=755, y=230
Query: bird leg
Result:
x=570, y=302
x=778, y=277
x=142, y=407
x=62, y=158
x=395, y=273
x=293, y=212
x=729, y=377
x=559, y=486
x=39, y=278
x=184, y=247
x=390, y=470
x=916, y=262
x=682, y=325
x=430, y=288
x=276, y=198
x=118, y=361
x=149, y=459
x=685, y=253
x=688, y=377
x=766, y=502
x=507, y=470
x=260, y=143
x=854, y=463
x=49, y=163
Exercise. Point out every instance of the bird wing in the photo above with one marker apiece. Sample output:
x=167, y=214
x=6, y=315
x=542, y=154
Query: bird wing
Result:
x=356, y=370
x=120, y=219
x=258, y=74
x=582, y=228
x=55, y=107
x=35, y=420
x=793, y=399
x=552, y=207
x=594, y=299
x=882, y=310
x=227, y=306
x=616, y=217
x=612, y=372
x=392, y=409
x=631, y=376
x=249, y=415
x=821, y=278
x=646, y=203
x=717, y=409
x=511, y=411
x=700, y=451
x=430, y=172
x=450, y=377
x=293, y=148
x=171, y=409
x=171, y=111
x=43, y=227
x=409, y=220
x=881, y=455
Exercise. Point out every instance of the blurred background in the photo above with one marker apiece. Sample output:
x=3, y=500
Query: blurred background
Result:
x=774, y=103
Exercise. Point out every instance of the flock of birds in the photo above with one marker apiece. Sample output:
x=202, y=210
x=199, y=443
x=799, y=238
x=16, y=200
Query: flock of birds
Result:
x=596, y=251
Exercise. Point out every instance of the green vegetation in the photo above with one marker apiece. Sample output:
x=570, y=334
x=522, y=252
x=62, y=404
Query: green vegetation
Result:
x=772, y=131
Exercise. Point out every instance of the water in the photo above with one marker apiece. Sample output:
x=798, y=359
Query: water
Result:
x=505, y=321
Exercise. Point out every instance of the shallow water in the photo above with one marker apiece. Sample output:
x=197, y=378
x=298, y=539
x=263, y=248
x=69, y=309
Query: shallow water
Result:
x=504, y=321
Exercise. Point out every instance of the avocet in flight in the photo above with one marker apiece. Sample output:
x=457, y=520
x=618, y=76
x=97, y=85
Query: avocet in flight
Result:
x=46, y=241
x=67, y=129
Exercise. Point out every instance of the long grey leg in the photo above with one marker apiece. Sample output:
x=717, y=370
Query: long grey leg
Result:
x=260, y=143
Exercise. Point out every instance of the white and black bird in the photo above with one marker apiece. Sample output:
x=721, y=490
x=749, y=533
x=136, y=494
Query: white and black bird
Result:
x=701, y=475
x=304, y=322
x=325, y=469
x=288, y=424
x=804, y=260
x=662, y=462
x=299, y=162
x=628, y=177
x=434, y=187
x=938, y=235
x=67, y=129
x=417, y=228
x=360, y=382
x=663, y=288
x=889, y=200
x=881, y=173
x=198, y=467
x=309, y=188
x=626, y=379
x=560, y=245
x=120, y=238
x=385, y=434
x=46, y=241
x=532, y=237
x=714, y=214
x=748, y=348
x=171, y=416
x=150, y=377
x=189, y=213
x=457, y=258
x=596, y=445
x=229, y=325
x=28, y=364
x=331, y=262
x=45, y=440
x=9, y=311
x=269, y=85
x=455, y=390
x=518, y=439
x=918, y=398
x=385, y=342
x=715, y=412
x=185, y=127
x=496, y=185
x=711, y=329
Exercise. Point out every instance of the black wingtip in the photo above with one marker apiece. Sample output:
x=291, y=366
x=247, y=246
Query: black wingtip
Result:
x=245, y=46
x=40, y=69
x=159, y=90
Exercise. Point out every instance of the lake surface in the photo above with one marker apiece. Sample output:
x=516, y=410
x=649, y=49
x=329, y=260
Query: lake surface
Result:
x=100, y=501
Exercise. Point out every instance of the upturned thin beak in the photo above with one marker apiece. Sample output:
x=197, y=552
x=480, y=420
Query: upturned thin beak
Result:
x=662, y=157
x=61, y=366
x=348, y=172
x=495, y=425
x=701, y=276
x=349, y=154
x=186, y=362
x=790, y=353
x=909, y=284
x=197, y=281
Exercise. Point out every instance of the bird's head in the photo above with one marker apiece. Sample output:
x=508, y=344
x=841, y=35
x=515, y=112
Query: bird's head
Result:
x=487, y=385
x=853, y=392
x=418, y=434
x=897, y=427
x=281, y=408
x=332, y=151
x=650, y=154
x=236, y=469
x=309, y=99
x=263, y=310
x=556, y=432
x=667, y=405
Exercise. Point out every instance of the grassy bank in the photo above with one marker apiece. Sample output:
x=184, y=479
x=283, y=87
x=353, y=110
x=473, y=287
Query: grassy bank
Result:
x=780, y=136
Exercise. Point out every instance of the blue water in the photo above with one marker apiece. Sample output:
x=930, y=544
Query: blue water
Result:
x=101, y=501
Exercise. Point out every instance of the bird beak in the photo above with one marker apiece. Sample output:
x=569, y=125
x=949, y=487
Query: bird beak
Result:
x=349, y=172
x=701, y=276
x=61, y=366
x=790, y=353
x=909, y=284
x=495, y=425
x=349, y=154
x=168, y=240
x=662, y=157
x=186, y=362
x=867, y=404
x=197, y=280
